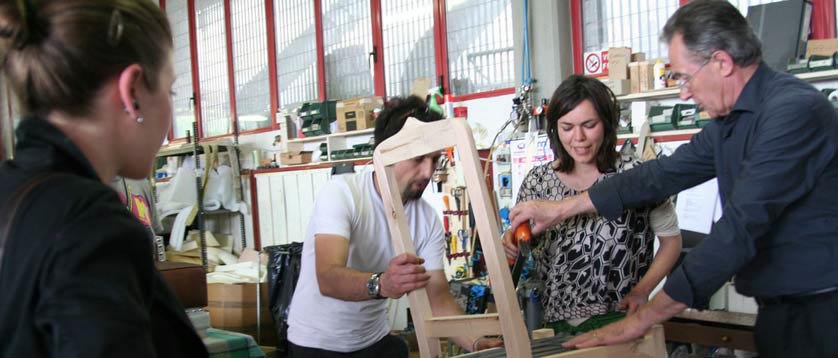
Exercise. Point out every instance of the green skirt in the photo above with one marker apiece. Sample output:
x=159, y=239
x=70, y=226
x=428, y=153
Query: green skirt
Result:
x=562, y=327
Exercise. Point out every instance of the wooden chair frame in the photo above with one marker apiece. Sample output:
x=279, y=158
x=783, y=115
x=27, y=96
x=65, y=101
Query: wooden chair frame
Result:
x=415, y=139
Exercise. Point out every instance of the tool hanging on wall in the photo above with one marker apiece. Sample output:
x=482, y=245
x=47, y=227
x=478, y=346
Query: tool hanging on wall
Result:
x=440, y=175
x=457, y=193
x=461, y=234
x=453, y=240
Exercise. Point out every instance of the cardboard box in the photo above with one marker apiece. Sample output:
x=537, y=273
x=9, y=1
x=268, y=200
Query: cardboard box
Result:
x=646, y=76
x=295, y=157
x=634, y=77
x=421, y=86
x=291, y=146
x=618, y=60
x=619, y=87
x=232, y=307
x=638, y=57
x=356, y=114
x=825, y=47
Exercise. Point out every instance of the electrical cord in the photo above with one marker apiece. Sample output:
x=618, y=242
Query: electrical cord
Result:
x=517, y=115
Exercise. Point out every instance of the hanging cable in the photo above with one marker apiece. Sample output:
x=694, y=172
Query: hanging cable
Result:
x=523, y=108
x=526, y=70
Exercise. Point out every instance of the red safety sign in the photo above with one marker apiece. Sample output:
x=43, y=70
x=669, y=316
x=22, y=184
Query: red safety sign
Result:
x=596, y=63
x=592, y=63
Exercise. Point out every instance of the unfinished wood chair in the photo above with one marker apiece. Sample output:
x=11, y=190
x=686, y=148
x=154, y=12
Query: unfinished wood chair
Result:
x=418, y=138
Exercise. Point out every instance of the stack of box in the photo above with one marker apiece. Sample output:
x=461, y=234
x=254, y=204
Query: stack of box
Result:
x=232, y=307
x=316, y=117
x=357, y=113
x=660, y=118
x=618, y=70
x=641, y=73
x=685, y=116
x=294, y=154
x=821, y=55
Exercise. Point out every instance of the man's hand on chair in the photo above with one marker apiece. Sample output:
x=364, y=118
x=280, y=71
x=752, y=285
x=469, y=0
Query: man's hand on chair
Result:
x=404, y=274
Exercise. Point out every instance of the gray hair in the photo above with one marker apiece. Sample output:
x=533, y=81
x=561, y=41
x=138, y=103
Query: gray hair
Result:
x=707, y=26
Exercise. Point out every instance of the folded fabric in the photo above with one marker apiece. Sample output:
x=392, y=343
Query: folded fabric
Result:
x=242, y=272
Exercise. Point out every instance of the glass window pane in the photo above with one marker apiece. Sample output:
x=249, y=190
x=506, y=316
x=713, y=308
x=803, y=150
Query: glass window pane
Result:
x=250, y=64
x=296, y=51
x=183, y=113
x=212, y=68
x=347, y=38
x=742, y=5
x=408, y=30
x=480, y=55
x=632, y=23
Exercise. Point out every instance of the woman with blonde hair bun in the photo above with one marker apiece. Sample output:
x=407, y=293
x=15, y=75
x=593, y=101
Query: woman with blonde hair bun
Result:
x=93, y=80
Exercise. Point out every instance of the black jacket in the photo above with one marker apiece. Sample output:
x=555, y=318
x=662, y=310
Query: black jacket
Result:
x=77, y=278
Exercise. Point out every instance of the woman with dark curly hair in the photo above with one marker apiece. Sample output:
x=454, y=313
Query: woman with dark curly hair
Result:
x=591, y=266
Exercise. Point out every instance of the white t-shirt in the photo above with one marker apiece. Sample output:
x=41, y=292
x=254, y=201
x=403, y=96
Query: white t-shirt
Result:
x=348, y=206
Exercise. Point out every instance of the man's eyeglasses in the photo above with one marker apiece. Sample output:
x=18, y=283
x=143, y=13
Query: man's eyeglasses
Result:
x=682, y=80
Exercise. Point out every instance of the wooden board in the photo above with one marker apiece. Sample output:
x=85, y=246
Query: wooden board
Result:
x=416, y=139
x=652, y=345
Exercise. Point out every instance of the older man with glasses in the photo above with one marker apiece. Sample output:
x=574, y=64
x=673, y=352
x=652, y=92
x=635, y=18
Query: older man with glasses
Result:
x=773, y=147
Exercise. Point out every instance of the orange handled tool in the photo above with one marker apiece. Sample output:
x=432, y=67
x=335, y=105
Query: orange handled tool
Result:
x=521, y=233
x=522, y=237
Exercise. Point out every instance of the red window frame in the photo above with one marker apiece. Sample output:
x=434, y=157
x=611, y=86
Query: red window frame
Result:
x=379, y=84
x=823, y=25
x=441, y=43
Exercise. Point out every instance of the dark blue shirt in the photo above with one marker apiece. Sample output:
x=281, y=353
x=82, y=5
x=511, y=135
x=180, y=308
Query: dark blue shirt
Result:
x=774, y=157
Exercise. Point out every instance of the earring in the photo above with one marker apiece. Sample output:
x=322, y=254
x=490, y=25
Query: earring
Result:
x=140, y=119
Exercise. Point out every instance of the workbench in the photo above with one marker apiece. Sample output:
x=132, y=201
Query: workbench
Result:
x=651, y=345
x=722, y=329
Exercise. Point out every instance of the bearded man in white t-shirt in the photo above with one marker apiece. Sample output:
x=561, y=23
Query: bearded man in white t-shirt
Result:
x=348, y=264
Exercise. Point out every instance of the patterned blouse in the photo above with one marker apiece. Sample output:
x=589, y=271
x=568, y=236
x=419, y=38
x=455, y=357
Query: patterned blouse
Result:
x=587, y=263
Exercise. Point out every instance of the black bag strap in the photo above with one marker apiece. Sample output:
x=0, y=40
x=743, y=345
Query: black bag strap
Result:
x=8, y=213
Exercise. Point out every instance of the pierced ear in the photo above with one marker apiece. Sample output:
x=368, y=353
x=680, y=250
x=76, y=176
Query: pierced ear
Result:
x=129, y=79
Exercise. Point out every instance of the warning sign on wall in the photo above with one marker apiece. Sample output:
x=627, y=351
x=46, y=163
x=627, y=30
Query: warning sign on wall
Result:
x=596, y=63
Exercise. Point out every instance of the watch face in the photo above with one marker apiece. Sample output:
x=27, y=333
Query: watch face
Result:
x=371, y=286
x=374, y=285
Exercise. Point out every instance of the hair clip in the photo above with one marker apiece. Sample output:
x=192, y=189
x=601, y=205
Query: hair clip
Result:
x=115, y=28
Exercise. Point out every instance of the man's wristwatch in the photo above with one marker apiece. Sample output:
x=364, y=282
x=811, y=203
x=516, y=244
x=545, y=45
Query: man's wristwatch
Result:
x=374, y=286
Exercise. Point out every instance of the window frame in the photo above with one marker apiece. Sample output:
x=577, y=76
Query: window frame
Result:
x=379, y=84
x=823, y=27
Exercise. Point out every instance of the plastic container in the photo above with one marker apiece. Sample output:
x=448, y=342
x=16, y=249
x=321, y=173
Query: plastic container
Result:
x=659, y=70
